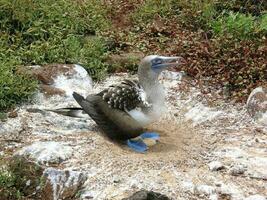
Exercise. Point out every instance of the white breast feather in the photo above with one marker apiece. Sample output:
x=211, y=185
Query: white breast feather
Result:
x=156, y=108
x=140, y=117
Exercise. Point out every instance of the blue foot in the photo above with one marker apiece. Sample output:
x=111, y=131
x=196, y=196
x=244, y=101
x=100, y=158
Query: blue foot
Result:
x=137, y=145
x=150, y=135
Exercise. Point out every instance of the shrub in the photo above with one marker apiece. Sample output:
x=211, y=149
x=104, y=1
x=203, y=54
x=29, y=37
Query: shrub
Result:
x=236, y=25
x=14, y=176
x=8, y=189
x=263, y=24
x=14, y=87
x=253, y=7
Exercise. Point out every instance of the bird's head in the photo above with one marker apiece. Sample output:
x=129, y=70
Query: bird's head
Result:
x=152, y=65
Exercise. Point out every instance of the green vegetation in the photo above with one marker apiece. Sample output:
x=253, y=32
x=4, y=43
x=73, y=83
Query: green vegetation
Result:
x=14, y=87
x=151, y=8
x=236, y=25
x=41, y=32
x=8, y=188
x=19, y=178
x=86, y=32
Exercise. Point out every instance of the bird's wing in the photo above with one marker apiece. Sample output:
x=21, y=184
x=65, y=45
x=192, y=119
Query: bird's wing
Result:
x=126, y=96
x=92, y=106
x=112, y=109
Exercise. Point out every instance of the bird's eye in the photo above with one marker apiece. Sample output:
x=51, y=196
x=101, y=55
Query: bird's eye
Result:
x=157, y=61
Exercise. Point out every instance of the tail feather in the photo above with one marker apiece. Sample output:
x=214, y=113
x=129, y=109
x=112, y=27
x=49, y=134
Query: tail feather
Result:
x=71, y=112
x=91, y=107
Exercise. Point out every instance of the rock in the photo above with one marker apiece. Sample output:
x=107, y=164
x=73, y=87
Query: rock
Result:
x=256, y=197
x=50, y=90
x=258, y=175
x=204, y=189
x=47, y=73
x=237, y=169
x=200, y=113
x=116, y=179
x=224, y=196
x=13, y=114
x=47, y=184
x=79, y=82
x=147, y=195
x=213, y=197
x=47, y=152
x=215, y=166
x=60, y=79
x=257, y=103
x=61, y=184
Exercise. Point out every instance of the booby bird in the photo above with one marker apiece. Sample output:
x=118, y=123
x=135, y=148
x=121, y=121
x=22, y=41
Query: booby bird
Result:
x=123, y=110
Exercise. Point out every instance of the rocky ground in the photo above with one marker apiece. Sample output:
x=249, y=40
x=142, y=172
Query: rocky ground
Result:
x=209, y=148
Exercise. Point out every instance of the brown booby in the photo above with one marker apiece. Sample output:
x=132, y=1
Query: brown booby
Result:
x=123, y=110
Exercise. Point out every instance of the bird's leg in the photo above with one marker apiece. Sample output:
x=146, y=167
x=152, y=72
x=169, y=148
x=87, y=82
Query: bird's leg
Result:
x=137, y=144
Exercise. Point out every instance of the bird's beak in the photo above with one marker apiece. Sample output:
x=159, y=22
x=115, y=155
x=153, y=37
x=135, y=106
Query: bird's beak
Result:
x=170, y=62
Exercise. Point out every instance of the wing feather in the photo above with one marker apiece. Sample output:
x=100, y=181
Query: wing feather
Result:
x=115, y=123
x=125, y=96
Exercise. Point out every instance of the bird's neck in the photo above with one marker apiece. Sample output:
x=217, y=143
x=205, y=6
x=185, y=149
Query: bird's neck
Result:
x=153, y=89
x=154, y=95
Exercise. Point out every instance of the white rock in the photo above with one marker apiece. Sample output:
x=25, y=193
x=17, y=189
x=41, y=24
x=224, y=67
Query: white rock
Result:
x=204, y=189
x=200, y=113
x=47, y=152
x=256, y=197
x=237, y=169
x=215, y=165
x=63, y=183
x=257, y=104
x=80, y=82
x=263, y=119
x=188, y=186
x=213, y=197
x=28, y=182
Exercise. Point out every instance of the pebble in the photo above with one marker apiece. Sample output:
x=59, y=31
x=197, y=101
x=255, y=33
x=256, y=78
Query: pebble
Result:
x=215, y=166
x=204, y=189
x=13, y=114
x=256, y=197
x=237, y=169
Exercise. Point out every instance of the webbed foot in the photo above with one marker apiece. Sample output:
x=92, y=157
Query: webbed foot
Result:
x=137, y=145
x=150, y=135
